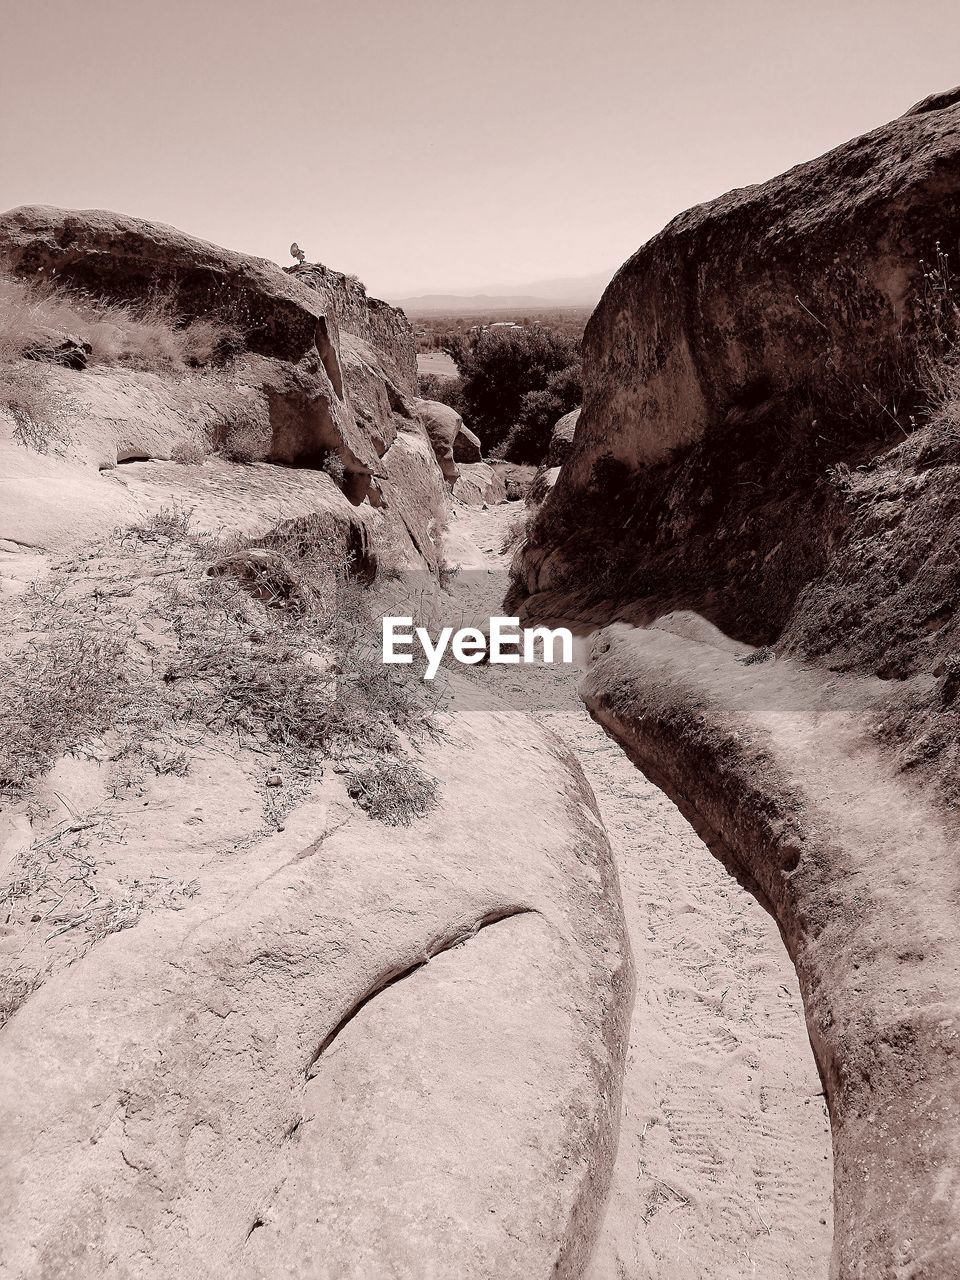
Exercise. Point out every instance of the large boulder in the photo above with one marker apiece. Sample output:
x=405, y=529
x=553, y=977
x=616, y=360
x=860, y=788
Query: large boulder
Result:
x=754, y=344
x=479, y=485
x=561, y=439
x=756, y=445
x=127, y=259
x=452, y=441
x=289, y=325
x=466, y=446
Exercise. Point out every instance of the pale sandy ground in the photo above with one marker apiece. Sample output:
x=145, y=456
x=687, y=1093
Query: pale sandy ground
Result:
x=724, y=1165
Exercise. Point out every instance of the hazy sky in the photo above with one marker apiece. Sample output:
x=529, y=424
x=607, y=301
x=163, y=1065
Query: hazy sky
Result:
x=443, y=144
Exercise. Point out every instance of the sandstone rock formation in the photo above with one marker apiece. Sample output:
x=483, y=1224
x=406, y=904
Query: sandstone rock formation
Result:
x=291, y=325
x=466, y=446
x=479, y=483
x=328, y=373
x=761, y=441
x=380, y=326
x=561, y=439
x=452, y=441
x=325, y=1062
x=771, y=764
x=247, y=1030
x=755, y=343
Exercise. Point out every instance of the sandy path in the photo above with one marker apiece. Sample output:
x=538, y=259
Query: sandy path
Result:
x=724, y=1164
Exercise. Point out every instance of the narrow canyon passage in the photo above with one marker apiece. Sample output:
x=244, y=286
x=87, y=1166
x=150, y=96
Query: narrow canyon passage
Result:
x=724, y=1165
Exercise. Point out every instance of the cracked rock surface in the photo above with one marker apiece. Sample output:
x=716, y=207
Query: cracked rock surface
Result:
x=172, y=1102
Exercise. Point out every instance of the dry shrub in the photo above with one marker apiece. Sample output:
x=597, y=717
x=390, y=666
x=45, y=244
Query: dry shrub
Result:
x=169, y=524
x=34, y=404
x=148, y=335
x=189, y=453
x=61, y=689
x=516, y=534
x=244, y=442
x=393, y=791
x=242, y=431
x=942, y=377
x=296, y=672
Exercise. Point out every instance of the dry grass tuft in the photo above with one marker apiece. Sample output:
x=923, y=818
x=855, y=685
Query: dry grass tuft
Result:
x=148, y=335
x=61, y=688
x=943, y=388
x=393, y=791
x=189, y=453
x=242, y=433
x=516, y=534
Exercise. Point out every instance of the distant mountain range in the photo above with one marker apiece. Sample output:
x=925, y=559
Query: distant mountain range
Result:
x=573, y=291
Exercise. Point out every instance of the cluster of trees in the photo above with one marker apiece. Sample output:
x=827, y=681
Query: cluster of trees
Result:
x=514, y=384
x=436, y=330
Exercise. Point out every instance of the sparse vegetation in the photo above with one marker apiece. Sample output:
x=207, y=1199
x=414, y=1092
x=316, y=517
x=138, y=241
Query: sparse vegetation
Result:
x=393, y=791
x=283, y=658
x=190, y=453
x=515, y=535
x=65, y=685
x=34, y=404
x=242, y=432
x=148, y=335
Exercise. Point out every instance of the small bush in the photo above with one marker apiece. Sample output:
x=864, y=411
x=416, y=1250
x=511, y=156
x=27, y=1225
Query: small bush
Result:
x=285, y=658
x=35, y=406
x=171, y=522
x=393, y=791
x=242, y=432
x=515, y=535
x=189, y=453
x=243, y=443
x=61, y=689
x=942, y=378
x=444, y=390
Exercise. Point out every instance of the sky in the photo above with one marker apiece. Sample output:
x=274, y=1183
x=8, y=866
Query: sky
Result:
x=443, y=145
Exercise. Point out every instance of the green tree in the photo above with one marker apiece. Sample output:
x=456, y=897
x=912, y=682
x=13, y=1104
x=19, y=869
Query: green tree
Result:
x=518, y=378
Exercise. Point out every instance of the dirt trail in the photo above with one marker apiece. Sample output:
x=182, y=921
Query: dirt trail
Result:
x=724, y=1165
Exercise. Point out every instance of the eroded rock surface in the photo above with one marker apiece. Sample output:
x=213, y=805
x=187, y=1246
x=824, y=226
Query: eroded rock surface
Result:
x=761, y=442
x=289, y=324
x=773, y=765
x=452, y=442
x=736, y=367
x=332, y=1064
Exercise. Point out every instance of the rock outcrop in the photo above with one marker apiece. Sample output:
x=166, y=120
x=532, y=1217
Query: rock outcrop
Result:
x=752, y=348
x=452, y=442
x=384, y=328
x=768, y=438
x=291, y=325
x=479, y=484
x=327, y=373
x=466, y=446
x=129, y=259
x=324, y=1062
x=561, y=439
x=770, y=762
